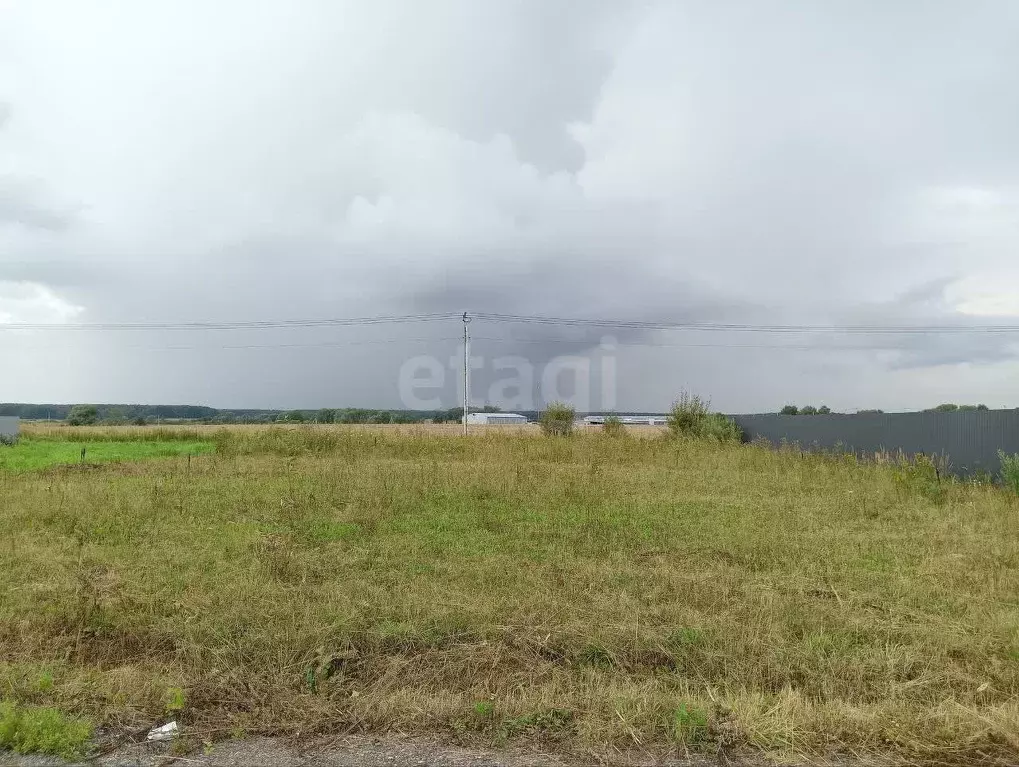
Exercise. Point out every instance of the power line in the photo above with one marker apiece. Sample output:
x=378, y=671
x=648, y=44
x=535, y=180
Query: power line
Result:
x=320, y=345
x=530, y=341
x=744, y=327
x=233, y=325
x=496, y=318
x=707, y=345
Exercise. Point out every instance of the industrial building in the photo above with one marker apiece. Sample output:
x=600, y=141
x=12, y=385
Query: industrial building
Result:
x=628, y=420
x=496, y=419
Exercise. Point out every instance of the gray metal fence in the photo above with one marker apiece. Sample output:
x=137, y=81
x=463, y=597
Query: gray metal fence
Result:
x=970, y=439
x=8, y=428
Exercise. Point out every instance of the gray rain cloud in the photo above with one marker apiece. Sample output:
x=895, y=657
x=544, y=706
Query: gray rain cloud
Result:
x=770, y=163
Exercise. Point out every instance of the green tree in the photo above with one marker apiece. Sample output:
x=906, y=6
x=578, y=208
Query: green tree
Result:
x=823, y=410
x=115, y=416
x=325, y=415
x=789, y=410
x=83, y=415
x=808, y=410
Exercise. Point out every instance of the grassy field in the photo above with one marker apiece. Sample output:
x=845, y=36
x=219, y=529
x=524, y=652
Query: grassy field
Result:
x=31, y=454
x=594, y=595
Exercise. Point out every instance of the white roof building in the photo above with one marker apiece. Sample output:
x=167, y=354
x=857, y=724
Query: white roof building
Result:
x=496, y=419
x=629, y=420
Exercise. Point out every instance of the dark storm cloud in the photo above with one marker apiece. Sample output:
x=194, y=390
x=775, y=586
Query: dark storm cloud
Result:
x=770, y=163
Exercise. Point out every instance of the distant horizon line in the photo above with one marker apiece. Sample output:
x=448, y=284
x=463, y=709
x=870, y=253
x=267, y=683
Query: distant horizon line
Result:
x=478, y=408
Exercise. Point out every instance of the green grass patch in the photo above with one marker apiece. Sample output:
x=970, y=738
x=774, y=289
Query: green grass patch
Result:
x=42, y=730
x=690, y=724
x=31, y=454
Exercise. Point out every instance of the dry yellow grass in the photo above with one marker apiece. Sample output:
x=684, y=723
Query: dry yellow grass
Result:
x=62, y=431
x=599, y=593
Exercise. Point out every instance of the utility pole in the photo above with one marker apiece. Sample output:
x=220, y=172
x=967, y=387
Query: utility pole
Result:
x=467, y=369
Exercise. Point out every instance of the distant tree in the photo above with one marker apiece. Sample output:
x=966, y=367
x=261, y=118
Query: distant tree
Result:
x=454, y=415
x=949, y=407
x=139, y=420
x=808, y=410
x=869, y=411
x=325, y=415
x=293, y=416
x=353, y=415
x=491, y=409
x=83, y=415
x=115, y=416
x=789, y=410
x=823, y=410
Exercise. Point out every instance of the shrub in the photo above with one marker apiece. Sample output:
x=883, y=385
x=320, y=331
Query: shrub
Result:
x=613, y=426
x=718, y=426
x=691, y=416
x=687, y=414
x=1010, y=470
x=922, y=475
x=557, y=420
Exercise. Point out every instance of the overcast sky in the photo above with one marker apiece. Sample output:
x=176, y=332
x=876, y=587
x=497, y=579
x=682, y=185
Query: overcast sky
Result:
x=793, y=162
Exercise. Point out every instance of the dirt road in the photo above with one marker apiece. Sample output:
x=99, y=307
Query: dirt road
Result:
x=348, y=752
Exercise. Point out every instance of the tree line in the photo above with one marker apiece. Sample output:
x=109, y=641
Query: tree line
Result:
x=946, y=407
x=88, y=414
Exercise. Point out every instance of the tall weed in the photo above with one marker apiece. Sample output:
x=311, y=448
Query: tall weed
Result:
x=1010, y=470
